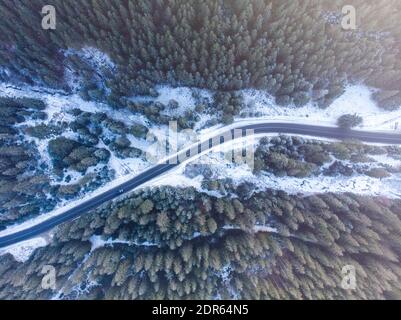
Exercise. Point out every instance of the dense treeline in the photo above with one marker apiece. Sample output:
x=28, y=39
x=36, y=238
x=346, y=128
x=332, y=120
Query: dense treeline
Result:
x=296, y=50
x=176, y=243
x=23, y=183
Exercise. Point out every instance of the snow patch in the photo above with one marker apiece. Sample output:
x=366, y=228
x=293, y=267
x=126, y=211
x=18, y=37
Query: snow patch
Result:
x=176, y=179
x=358, y=184
x=184, y=96
x=99, y=242
x=355, y=100
x=23, y=250
x=386, y=160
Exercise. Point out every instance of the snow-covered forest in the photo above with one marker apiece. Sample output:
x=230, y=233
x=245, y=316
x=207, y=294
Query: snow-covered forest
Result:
x=81, y=105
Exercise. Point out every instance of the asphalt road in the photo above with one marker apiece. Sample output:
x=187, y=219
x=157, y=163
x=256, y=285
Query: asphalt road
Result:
x=284, y=128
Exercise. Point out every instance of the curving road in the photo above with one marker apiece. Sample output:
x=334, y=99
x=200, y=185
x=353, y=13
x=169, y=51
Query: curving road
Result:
x=284, y=128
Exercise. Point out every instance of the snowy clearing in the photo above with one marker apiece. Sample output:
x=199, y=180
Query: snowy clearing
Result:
x=23, y=250
x=240, y=173
x=356, y=100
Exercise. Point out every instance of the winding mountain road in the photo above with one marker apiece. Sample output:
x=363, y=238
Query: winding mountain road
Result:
x=157, y=170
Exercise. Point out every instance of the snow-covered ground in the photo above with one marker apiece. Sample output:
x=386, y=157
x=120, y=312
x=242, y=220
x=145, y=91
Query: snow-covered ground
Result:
x=98, y=242
x=23, y=250
x=385, y=160
x=98, y=60
x=356, y=99
x=59, y=104
x=240, y=173
x=182, y=95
